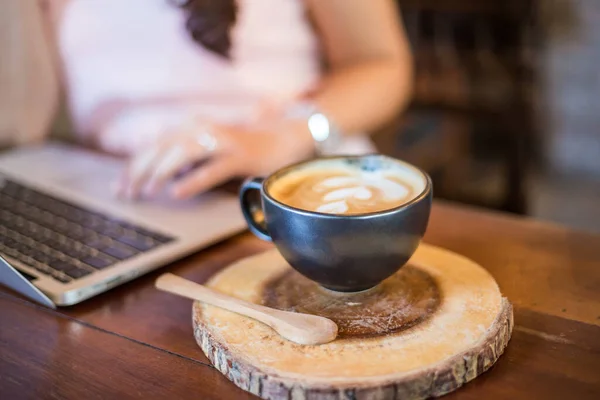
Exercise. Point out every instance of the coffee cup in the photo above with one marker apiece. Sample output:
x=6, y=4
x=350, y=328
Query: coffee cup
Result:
x=345, y=222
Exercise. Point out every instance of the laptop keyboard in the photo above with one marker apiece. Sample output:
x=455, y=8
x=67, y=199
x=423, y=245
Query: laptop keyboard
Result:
x=62, y=240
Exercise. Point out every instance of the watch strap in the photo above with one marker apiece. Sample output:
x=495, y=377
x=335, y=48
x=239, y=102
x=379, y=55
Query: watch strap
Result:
x=323, y=130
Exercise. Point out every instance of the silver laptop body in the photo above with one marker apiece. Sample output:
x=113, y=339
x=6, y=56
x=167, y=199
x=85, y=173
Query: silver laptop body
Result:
x=63, y=229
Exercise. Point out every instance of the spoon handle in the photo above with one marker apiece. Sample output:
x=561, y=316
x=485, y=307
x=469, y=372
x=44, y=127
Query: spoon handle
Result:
x=185, y=288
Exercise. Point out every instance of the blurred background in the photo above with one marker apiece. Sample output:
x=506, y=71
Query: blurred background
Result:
x=506, y=109
x=505, y=113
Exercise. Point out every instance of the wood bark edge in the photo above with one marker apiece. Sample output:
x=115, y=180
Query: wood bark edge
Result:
x=436, y=380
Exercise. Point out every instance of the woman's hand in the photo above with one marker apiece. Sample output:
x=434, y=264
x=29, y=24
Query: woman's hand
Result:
x=213, y=154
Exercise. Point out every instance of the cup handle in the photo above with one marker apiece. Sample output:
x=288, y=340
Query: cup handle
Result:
x=250, y=208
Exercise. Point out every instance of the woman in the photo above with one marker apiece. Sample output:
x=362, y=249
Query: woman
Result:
x=217, y=88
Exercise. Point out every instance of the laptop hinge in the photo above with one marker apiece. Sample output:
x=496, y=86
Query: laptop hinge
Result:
x=12, y=278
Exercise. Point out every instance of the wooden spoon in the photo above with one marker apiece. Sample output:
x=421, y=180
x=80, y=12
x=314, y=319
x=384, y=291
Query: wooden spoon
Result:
x=300, y=328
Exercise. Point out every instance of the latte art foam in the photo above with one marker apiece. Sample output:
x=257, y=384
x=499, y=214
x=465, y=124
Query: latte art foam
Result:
x=342, y=191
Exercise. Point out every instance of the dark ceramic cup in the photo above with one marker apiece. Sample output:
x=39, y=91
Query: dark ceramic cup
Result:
x=347, y=253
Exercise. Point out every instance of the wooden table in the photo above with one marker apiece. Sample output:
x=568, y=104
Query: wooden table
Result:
x=136, y=342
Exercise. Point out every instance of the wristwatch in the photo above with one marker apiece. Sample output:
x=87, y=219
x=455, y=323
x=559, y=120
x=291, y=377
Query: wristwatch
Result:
x=326, y=135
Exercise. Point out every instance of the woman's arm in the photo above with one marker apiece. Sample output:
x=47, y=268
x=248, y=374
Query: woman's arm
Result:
x=368, y=82
x=28, y=78
x=370, y=75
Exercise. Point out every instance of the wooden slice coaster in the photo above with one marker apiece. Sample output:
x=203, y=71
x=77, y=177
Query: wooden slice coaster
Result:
x=436, y=324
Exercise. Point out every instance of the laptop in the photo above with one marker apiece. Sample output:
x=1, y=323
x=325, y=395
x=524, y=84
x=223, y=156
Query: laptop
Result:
x=64, y=237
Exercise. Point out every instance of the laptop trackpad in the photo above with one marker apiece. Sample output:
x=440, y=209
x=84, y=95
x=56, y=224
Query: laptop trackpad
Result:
x=86, y=177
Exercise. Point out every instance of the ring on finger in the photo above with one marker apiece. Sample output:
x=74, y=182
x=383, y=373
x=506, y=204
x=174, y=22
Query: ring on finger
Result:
x=207, y=139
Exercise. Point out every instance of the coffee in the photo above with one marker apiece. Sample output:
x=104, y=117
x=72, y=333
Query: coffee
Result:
x=323, y=217
x=346, y=189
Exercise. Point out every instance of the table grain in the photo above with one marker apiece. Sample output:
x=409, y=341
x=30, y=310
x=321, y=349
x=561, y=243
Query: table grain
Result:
x=137, y=342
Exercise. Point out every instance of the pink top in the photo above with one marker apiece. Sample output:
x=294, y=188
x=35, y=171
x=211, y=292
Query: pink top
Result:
x=133, y=72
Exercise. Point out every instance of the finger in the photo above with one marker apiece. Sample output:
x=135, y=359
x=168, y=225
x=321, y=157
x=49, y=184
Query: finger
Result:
x=211, y=174
x=138, y=169
x=173, y=161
